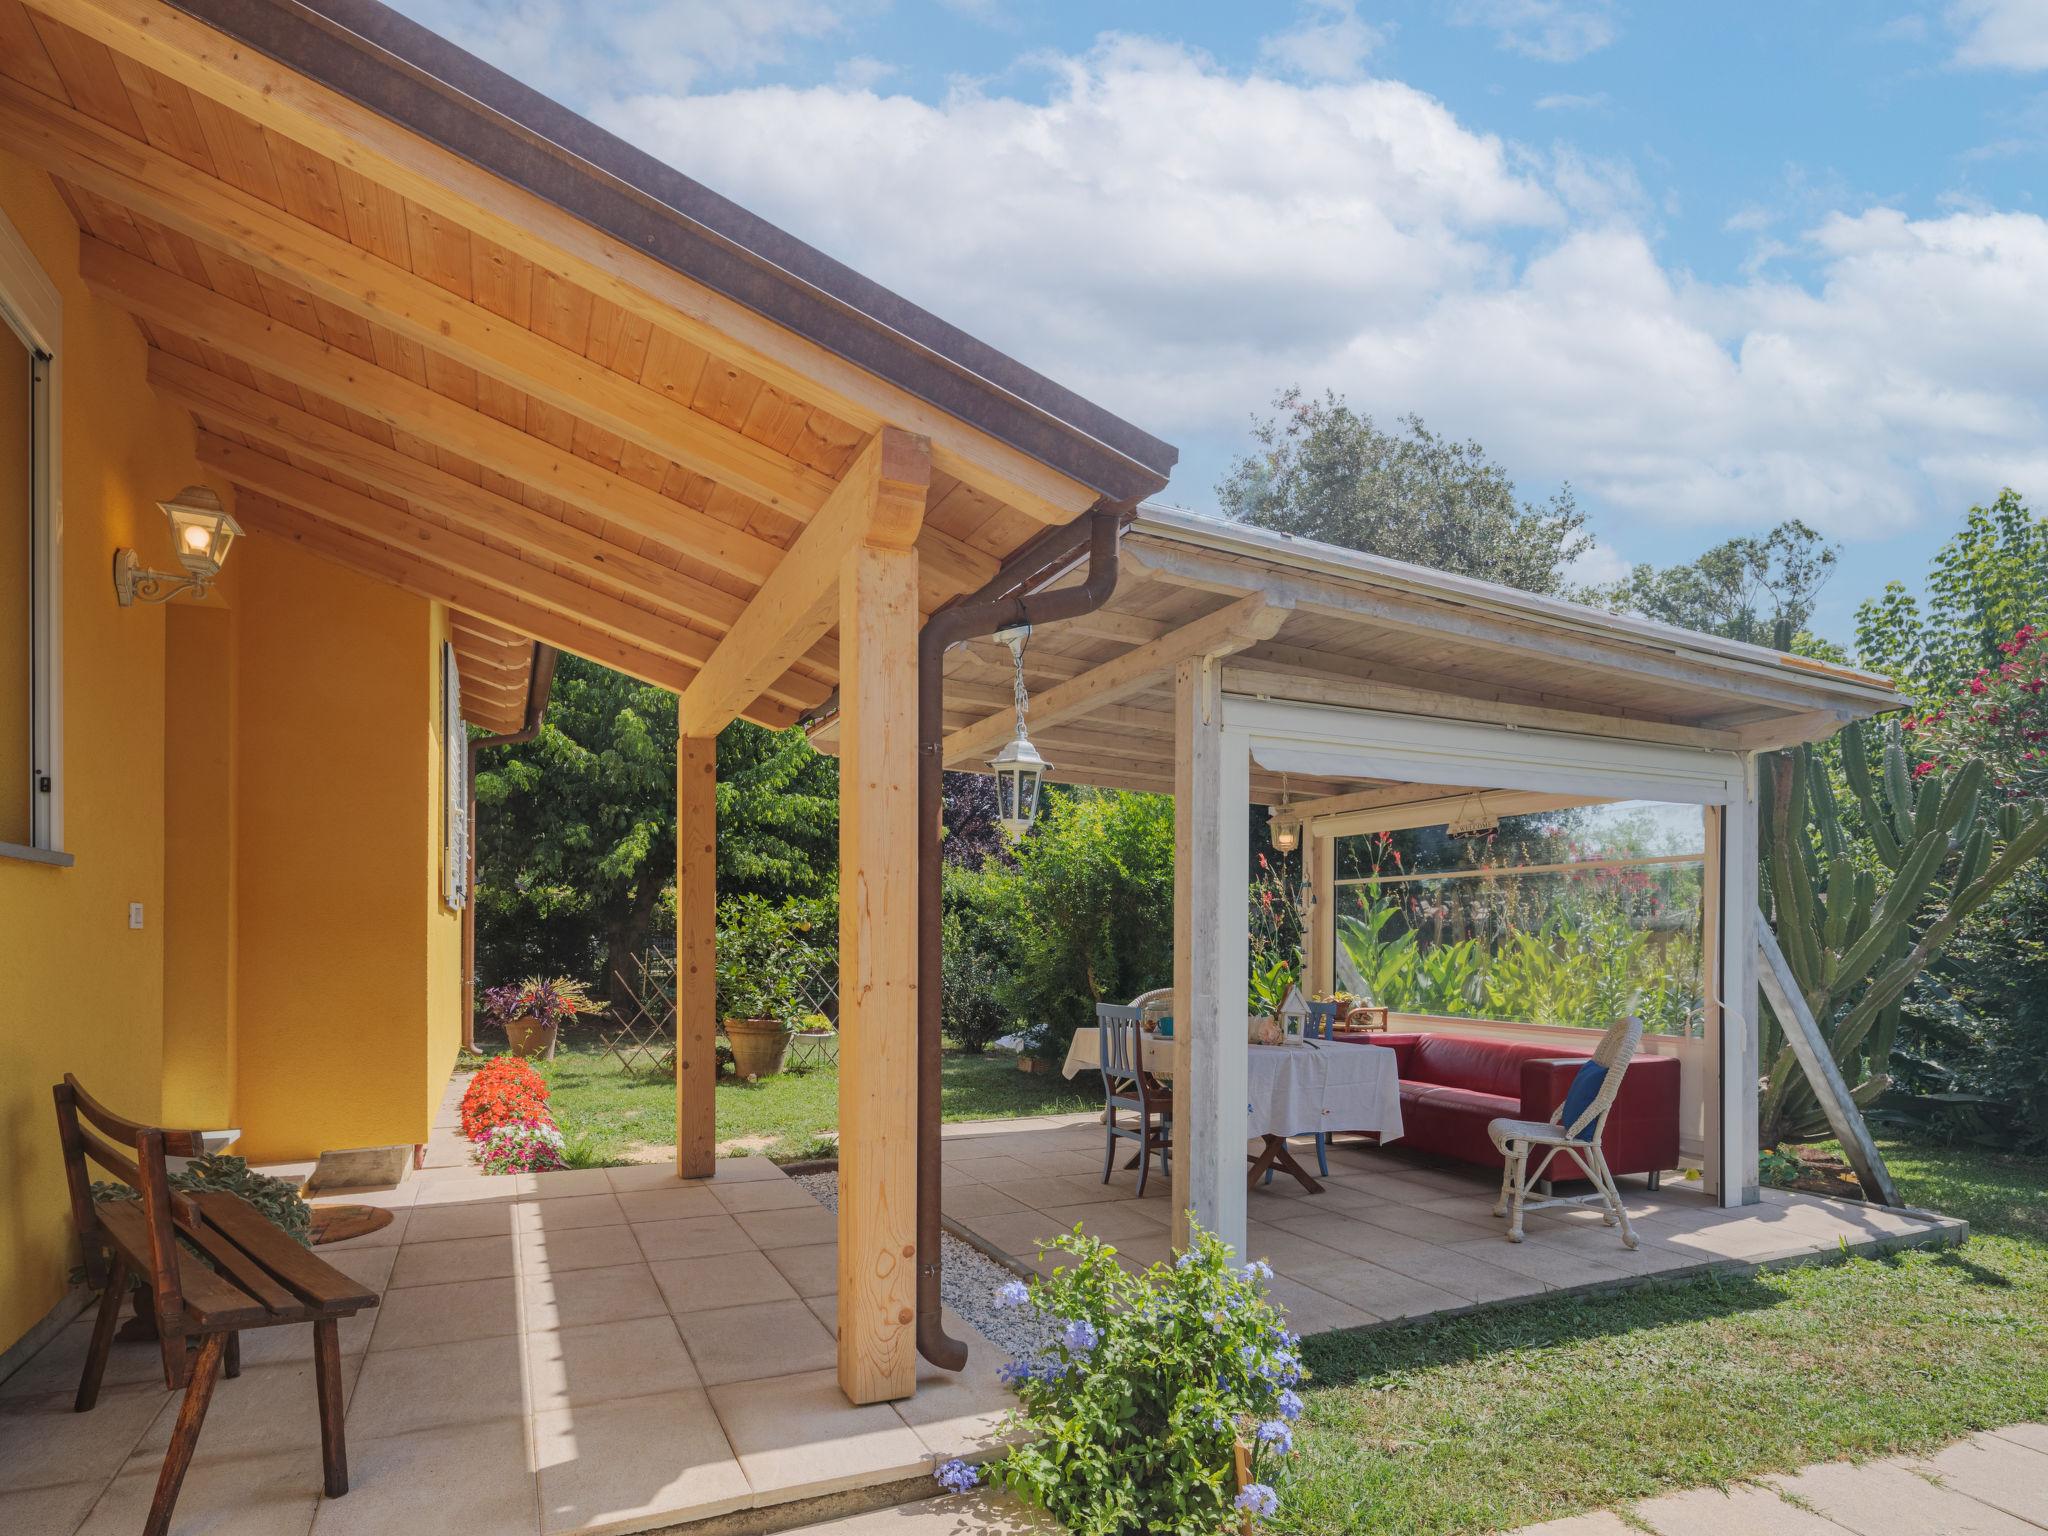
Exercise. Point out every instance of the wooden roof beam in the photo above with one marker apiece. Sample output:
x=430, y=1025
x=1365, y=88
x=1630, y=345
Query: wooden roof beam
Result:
x=362, y=140
x=1466, y=625
x=880, y=501
x=219, y=399
x=1231, y=628
x=263, y=515
x=1321, y=688
x=253, y=337
x=475, y=562
x=215, y=213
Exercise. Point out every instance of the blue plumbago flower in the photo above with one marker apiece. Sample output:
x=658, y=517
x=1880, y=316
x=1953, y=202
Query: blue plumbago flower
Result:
x=1249, y=1354
x=1259, y=1498
x=1221, y=1426
x=1289, y=1405
x=1187, y=1256
x=1014, y=1373
x=1274, y=1432
x=1258, y=1269
x=1012, y=1293
x=956, y=1476
x=1081, y=1336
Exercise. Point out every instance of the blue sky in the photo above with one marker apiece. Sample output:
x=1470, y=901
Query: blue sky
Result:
x=1714, y=265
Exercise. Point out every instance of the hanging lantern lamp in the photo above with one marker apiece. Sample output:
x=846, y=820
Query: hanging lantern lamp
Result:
x=1018, y=768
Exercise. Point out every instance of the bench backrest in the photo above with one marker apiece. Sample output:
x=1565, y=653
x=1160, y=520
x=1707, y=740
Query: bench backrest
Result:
x=134, y=1154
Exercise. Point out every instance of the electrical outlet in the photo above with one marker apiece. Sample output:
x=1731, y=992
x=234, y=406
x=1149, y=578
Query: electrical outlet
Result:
x=134, y=914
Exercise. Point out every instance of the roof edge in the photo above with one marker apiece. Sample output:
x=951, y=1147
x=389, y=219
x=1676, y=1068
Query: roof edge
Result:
x=420, y=80
x=1312, y=556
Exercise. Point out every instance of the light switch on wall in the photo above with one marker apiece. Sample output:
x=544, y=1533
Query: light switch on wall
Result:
x=134, y=914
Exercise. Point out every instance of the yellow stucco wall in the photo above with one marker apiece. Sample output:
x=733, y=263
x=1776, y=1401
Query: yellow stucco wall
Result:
x=84, y=992
x=445, y=999
x=336, y=836
x=262, y=773
x=199, y=863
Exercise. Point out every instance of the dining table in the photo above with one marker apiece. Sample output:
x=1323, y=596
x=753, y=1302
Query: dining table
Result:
x=1301, y=1088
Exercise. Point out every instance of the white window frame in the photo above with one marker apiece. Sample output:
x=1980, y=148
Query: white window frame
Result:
x=31, y=307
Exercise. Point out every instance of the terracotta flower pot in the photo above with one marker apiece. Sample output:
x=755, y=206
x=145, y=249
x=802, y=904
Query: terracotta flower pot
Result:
x=758, y=1046
x=531, y=1037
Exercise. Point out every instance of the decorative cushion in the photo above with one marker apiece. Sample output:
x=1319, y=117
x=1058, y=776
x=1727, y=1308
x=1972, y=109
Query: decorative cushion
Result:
x=1579, y=1097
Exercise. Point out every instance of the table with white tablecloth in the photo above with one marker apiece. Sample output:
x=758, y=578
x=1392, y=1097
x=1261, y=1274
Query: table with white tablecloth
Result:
x=1291, y=1090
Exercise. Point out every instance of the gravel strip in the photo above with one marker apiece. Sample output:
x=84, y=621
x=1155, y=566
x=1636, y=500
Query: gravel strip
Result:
x=967, y=1283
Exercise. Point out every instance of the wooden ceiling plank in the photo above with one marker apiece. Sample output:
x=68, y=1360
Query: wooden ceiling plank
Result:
x=880, y=502
x=469, y=506
x=355, y=136
x=1231, y=628
x=475, y=560
x=165, y=299
x=1273, y=682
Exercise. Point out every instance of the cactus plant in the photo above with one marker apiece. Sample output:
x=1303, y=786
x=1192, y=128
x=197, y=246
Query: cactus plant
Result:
x=1946, y=846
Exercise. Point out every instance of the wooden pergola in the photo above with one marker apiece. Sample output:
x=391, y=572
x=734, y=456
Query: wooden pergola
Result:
x=1234, y=667
x=438, y=330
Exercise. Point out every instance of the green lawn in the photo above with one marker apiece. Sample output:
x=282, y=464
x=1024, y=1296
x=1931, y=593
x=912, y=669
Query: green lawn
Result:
x=611, y=1113
x=1529, y=1413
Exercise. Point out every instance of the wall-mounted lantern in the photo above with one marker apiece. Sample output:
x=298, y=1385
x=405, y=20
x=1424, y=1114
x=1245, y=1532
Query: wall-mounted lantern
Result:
x=1018, y=768
x=201, y=532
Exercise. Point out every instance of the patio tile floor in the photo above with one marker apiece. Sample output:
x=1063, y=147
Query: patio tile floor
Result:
x=618, y=1350
x=588, y=1351
x=1396, y=1235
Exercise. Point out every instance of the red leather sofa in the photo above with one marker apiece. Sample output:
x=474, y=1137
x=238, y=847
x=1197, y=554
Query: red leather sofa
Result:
x=1452, y=1086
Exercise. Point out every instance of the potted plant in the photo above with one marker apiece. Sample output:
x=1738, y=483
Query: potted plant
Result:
x=531, y=1011
x=759, y=956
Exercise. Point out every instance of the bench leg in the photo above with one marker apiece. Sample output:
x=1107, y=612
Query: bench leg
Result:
x=185, y=1434
x=102, y=1339
x=327, y=1380
x=231, y=1361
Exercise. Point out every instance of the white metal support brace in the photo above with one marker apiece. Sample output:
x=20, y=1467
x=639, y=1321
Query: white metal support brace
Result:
x=1803, y=1034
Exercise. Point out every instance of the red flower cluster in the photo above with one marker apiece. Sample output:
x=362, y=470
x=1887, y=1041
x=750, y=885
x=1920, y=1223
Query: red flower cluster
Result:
x=505, y=1090
x=1999, y=715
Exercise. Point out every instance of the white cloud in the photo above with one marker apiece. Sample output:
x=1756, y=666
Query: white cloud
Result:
x=1330, y=42
x=668, y=45
x=1554, y=31
x=2001, y=34
x=1179, y=241
x=1566, y=101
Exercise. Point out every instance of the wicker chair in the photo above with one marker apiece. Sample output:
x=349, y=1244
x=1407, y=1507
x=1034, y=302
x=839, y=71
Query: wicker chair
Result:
x=1579, y=1141
x=1127, y=1085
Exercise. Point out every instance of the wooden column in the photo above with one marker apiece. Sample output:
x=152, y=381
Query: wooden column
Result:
x=1728, y=898
x=696, y=955
x=1321, y=939
x=1211, y=941
x=878, y=620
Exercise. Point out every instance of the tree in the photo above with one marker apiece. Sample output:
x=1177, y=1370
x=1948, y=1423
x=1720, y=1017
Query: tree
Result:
x=1324, y=471
x=1988, y=580
x=577, y=838
x=1757, y=590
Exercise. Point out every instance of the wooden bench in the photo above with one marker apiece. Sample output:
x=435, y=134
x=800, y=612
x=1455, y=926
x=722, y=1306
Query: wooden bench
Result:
x=253, y=1276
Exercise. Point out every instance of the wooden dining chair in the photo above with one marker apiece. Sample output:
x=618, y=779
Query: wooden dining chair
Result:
x=1126, y=1085
x=211, y=1265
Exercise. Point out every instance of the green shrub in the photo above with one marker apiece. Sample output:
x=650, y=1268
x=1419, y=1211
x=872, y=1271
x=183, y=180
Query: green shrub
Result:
x=1084, y=911
x=971, y=1009
x=1132, y=1412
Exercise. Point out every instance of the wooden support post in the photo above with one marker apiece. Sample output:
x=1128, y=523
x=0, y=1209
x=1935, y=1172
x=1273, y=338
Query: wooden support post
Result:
x=1212, y=789
x=1728, y=897
x=1321, y=854
x=878, y=619
x=696, y=956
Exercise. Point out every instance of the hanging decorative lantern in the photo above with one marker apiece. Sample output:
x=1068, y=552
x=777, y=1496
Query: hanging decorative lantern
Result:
x=1283, y=828
x=1472, y=821
x=1018, y=768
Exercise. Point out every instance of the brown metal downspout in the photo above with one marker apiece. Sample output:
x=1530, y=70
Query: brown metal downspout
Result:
x=539, y=680
x=1006, y=601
